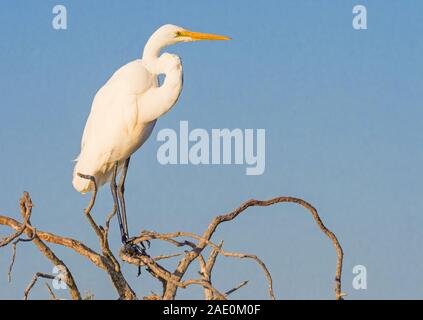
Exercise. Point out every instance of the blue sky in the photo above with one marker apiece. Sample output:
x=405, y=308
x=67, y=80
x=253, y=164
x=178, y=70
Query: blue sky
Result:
x=343, y=117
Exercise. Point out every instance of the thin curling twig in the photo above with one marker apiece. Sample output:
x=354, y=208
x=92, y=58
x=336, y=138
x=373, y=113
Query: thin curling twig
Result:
x=239, y=286
x=87, y=211
x=92, y=179
x=26, y=210
x=34, y=280
x=12, y=260
x=52, y=295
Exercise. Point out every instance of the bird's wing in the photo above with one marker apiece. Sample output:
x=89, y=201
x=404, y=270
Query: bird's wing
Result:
x=115, y=101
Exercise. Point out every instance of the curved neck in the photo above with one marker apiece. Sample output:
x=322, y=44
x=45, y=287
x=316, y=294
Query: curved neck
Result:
x=158, y=100
x=151, y=50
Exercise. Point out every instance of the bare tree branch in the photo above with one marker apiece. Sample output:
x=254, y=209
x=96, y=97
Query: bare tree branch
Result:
x=171, y=289
x=148, y=235
x=26, y=210
x=117, y=278
x=171, y=280
x=207, y=268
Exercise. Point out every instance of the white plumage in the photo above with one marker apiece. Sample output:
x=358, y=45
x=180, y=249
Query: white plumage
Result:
x=125, y=109
x=114, y=128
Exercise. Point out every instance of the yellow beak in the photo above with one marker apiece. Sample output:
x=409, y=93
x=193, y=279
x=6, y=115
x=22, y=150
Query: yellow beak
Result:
x=196, y=36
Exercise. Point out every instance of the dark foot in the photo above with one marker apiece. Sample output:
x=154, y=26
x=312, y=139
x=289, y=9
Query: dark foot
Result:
x=143, y=245
x=135, y=249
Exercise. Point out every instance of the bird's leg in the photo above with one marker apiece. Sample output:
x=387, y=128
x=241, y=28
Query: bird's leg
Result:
x=124, y=223
x=113, y=188
x=121, y=193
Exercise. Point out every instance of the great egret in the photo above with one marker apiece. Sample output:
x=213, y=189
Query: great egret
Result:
x=124, y=112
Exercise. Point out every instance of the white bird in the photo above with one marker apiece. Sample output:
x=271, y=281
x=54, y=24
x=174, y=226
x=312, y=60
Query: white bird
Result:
x=125, y=110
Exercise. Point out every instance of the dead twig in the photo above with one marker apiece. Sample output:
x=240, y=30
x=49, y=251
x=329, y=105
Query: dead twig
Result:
x=34, y=280
x=26, y=210
x=52, y=295
x=206, y=269
x=243, y=283
x=12, y=260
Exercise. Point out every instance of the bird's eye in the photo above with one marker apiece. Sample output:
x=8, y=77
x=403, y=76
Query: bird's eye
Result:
x=178, y=34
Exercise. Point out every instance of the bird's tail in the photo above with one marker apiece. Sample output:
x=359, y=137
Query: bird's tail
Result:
x=80, y=184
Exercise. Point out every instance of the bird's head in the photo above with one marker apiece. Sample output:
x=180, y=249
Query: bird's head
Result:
x=170, y=34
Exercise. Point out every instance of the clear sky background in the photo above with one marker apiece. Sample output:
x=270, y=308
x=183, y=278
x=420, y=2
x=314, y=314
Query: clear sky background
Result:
x=343, y=116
